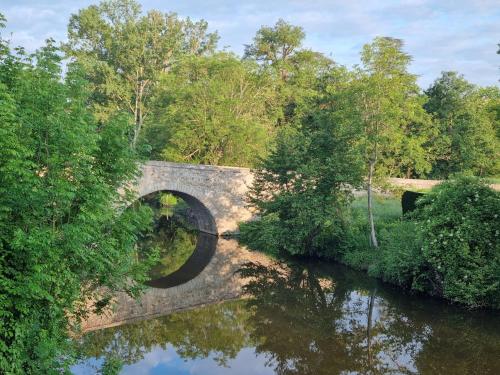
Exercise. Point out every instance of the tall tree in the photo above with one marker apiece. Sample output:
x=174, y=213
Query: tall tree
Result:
x=61, y=231
x=389, y=103
x=124, y=52
x=303, y=188
x=467, y=123
x=212, y=110
x=295, y=70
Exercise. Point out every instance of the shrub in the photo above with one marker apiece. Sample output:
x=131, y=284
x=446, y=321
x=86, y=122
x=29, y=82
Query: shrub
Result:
x=400, y=258
x=261, y=234
x=460, y=228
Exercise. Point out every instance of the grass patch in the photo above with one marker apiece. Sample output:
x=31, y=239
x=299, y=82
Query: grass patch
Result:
x=357, y=251
x=385, y=208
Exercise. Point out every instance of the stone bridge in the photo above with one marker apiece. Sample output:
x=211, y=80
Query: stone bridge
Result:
x=215, y=194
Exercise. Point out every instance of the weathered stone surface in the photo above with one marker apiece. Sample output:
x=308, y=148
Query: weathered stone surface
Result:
x=216, y=194
x=413, y=183
x=218, y=282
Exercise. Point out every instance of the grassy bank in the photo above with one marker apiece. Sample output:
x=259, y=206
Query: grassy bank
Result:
x=397, y=258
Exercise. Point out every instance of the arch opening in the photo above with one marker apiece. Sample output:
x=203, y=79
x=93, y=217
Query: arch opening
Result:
x=192, y=224
x=200, y=214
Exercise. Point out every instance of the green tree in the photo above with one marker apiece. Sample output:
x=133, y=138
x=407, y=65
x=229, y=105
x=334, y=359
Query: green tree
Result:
x=124, y=52
x=302, y=190
x=389, y=112
x=63, y=229
x=467, y=123
x=212, y=110
x=293, y=72
x=276, y=45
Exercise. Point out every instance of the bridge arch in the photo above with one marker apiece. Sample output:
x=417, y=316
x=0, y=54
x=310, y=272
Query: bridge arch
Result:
x=215, y=194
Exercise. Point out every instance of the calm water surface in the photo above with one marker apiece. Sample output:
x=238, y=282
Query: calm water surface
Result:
x=312, y=319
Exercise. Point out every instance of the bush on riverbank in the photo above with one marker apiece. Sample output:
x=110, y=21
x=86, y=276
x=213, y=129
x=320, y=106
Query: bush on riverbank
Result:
x=449, y=247
x=460, y=228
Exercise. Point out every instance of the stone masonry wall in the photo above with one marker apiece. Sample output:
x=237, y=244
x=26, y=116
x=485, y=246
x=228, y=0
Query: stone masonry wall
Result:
x=221, y=190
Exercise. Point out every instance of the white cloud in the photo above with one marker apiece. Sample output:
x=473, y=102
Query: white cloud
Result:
x=152, y=359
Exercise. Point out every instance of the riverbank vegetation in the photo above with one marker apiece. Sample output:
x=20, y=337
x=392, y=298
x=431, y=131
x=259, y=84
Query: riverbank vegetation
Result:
x=155, y=85
x=64, y=229
x=448, y=247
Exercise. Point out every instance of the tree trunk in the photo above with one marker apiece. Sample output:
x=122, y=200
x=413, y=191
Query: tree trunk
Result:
x=137, y=129
x=369, y=327
x=373, y=235
x=138, y=113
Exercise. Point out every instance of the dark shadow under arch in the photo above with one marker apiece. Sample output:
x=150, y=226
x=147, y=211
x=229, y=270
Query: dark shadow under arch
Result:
x=204, y=219
x=205, y=249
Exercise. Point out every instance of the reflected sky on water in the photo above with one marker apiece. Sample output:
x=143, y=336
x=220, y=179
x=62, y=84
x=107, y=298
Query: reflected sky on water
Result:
x=310, y=318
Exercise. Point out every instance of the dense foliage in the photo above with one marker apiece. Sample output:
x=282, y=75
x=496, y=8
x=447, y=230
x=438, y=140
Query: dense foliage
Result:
x=303, y=187
x=448, y=247
x=466, y=120
x=63, y=228
x=202, y=106
x=125, y=52
x=212, y=110
x=460, y=226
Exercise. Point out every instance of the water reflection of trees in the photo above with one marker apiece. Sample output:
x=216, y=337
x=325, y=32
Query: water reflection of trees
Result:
x=172, y=235
x=218, y=330
x=308, y=323
x=317, y=319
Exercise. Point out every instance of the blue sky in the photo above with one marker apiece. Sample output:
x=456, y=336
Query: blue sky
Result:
x=459, y=35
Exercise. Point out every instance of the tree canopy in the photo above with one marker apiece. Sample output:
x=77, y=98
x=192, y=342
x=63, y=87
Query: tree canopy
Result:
x=212, y=110
x=467, y=127
x=123, y=53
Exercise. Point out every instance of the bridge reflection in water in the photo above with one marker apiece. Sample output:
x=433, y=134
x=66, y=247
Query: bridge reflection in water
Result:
x=206, y=245
x=209, y=276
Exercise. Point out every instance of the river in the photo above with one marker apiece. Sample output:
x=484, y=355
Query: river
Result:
x=303, y=318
